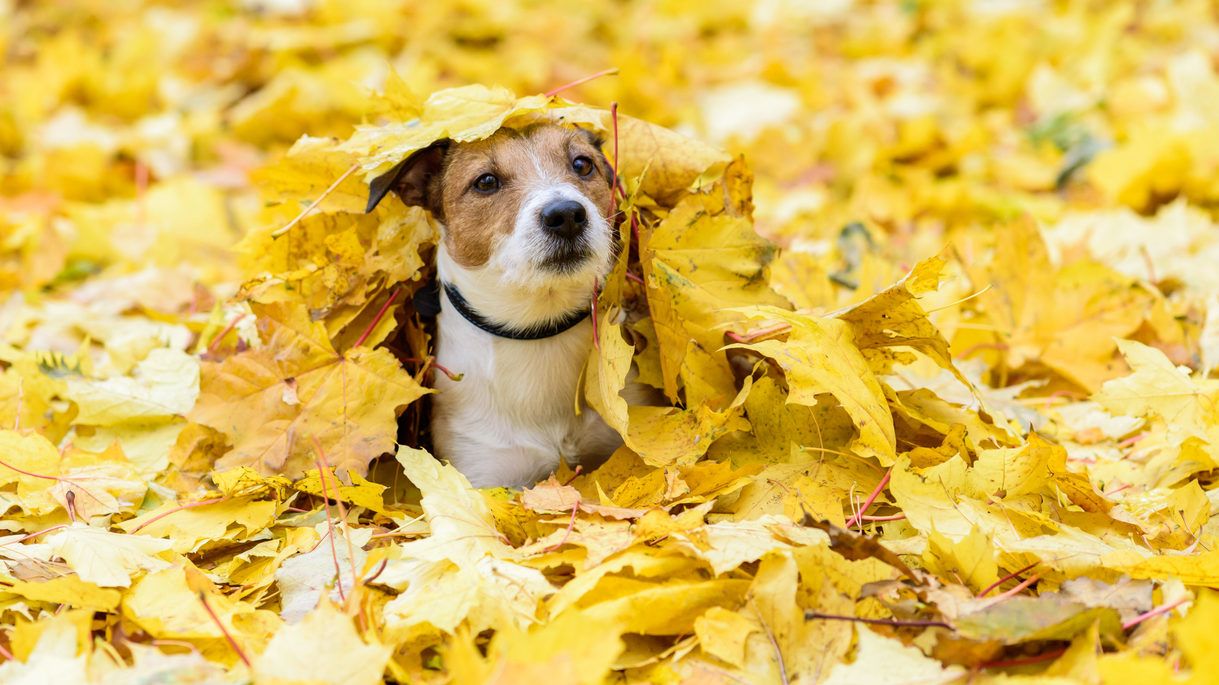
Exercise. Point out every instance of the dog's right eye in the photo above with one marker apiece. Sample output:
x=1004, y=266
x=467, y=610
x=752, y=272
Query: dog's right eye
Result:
x=487, y=183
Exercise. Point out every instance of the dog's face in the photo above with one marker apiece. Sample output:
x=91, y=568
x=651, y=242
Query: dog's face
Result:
x=529, y=205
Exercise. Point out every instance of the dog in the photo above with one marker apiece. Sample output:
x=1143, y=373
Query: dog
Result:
x=525, y=240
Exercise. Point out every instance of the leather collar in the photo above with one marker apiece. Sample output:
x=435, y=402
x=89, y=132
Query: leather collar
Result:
x=427, y=303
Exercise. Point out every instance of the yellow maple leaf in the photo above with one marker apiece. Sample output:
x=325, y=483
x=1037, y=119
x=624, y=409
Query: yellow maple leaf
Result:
x=463, y=572
x=573, y=648
x=107, y=559
x=322, y=648
x=881, y=659
x=459, y=114
x=819, y=358
x=660, y=435
x=274, y=401
x=163, y=385
x=55, y=658
x=1066, y=318
x=1156, y=387
x=702, y=259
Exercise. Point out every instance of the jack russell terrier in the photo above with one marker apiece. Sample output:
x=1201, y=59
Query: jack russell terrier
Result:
x=524, y=241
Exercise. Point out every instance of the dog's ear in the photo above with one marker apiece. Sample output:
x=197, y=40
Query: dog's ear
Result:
x=411, y=178
x=597, y=142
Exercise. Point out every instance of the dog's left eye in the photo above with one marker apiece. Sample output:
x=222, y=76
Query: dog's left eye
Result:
x=582, y=165
x=486, y=184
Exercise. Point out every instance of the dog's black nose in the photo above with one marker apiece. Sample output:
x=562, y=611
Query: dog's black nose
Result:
x=565, y=218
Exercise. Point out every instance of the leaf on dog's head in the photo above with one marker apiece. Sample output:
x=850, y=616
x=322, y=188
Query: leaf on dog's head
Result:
x=460, y=114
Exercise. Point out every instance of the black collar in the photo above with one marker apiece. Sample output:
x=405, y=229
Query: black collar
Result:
x=427, y=303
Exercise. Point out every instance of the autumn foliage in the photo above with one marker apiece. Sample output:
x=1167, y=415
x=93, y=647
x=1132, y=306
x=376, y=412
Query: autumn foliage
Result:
x=931, y=290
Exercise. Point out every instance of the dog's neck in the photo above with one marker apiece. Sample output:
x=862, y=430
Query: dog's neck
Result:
x=512, y=304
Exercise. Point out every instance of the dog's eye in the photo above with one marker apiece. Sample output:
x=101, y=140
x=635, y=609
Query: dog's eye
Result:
x=487, y=183
x=582, y=165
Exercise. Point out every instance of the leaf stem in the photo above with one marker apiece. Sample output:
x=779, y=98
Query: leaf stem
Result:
x=228, y=636
x=856, y=519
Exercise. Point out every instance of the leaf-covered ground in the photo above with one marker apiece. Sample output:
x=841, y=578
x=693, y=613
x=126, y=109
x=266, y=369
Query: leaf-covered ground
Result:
x=932, y=289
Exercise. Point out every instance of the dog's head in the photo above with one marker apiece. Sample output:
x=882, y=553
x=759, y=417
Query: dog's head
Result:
x=528, y=206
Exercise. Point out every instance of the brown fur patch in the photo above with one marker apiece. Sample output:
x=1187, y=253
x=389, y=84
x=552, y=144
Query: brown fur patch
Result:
x=523, y=161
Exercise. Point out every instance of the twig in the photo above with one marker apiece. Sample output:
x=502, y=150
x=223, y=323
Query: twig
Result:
x=1163, y=609
x=211, y=347
x=595, y=315
x=334, y=550
x=313, y=205
x=35, y=534
x=394, y=534
x=380, y=568
x=985, y=591
x=574, y=474
x=452, y=376
x=377, y=318
x=435, y=365
x=30, y=473
x=893, y=517
x=810, y=615
x=750, y=336
x=232, y=643
x=774, y=645
x=580, y=81
x=59, y=479
x=575, y=507
x=189, y=505
x=617, y=186
x=338, y=503
x=961, y=301
x=855, y=520
x=1018, y=589
x=1132, y=440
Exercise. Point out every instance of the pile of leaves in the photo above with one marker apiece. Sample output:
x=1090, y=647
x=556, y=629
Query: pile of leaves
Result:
x=953, y=419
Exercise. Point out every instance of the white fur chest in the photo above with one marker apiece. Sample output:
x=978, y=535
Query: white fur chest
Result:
x=513, y=413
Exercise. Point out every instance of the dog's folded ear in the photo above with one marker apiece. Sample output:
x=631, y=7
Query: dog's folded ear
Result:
x=411, y=178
